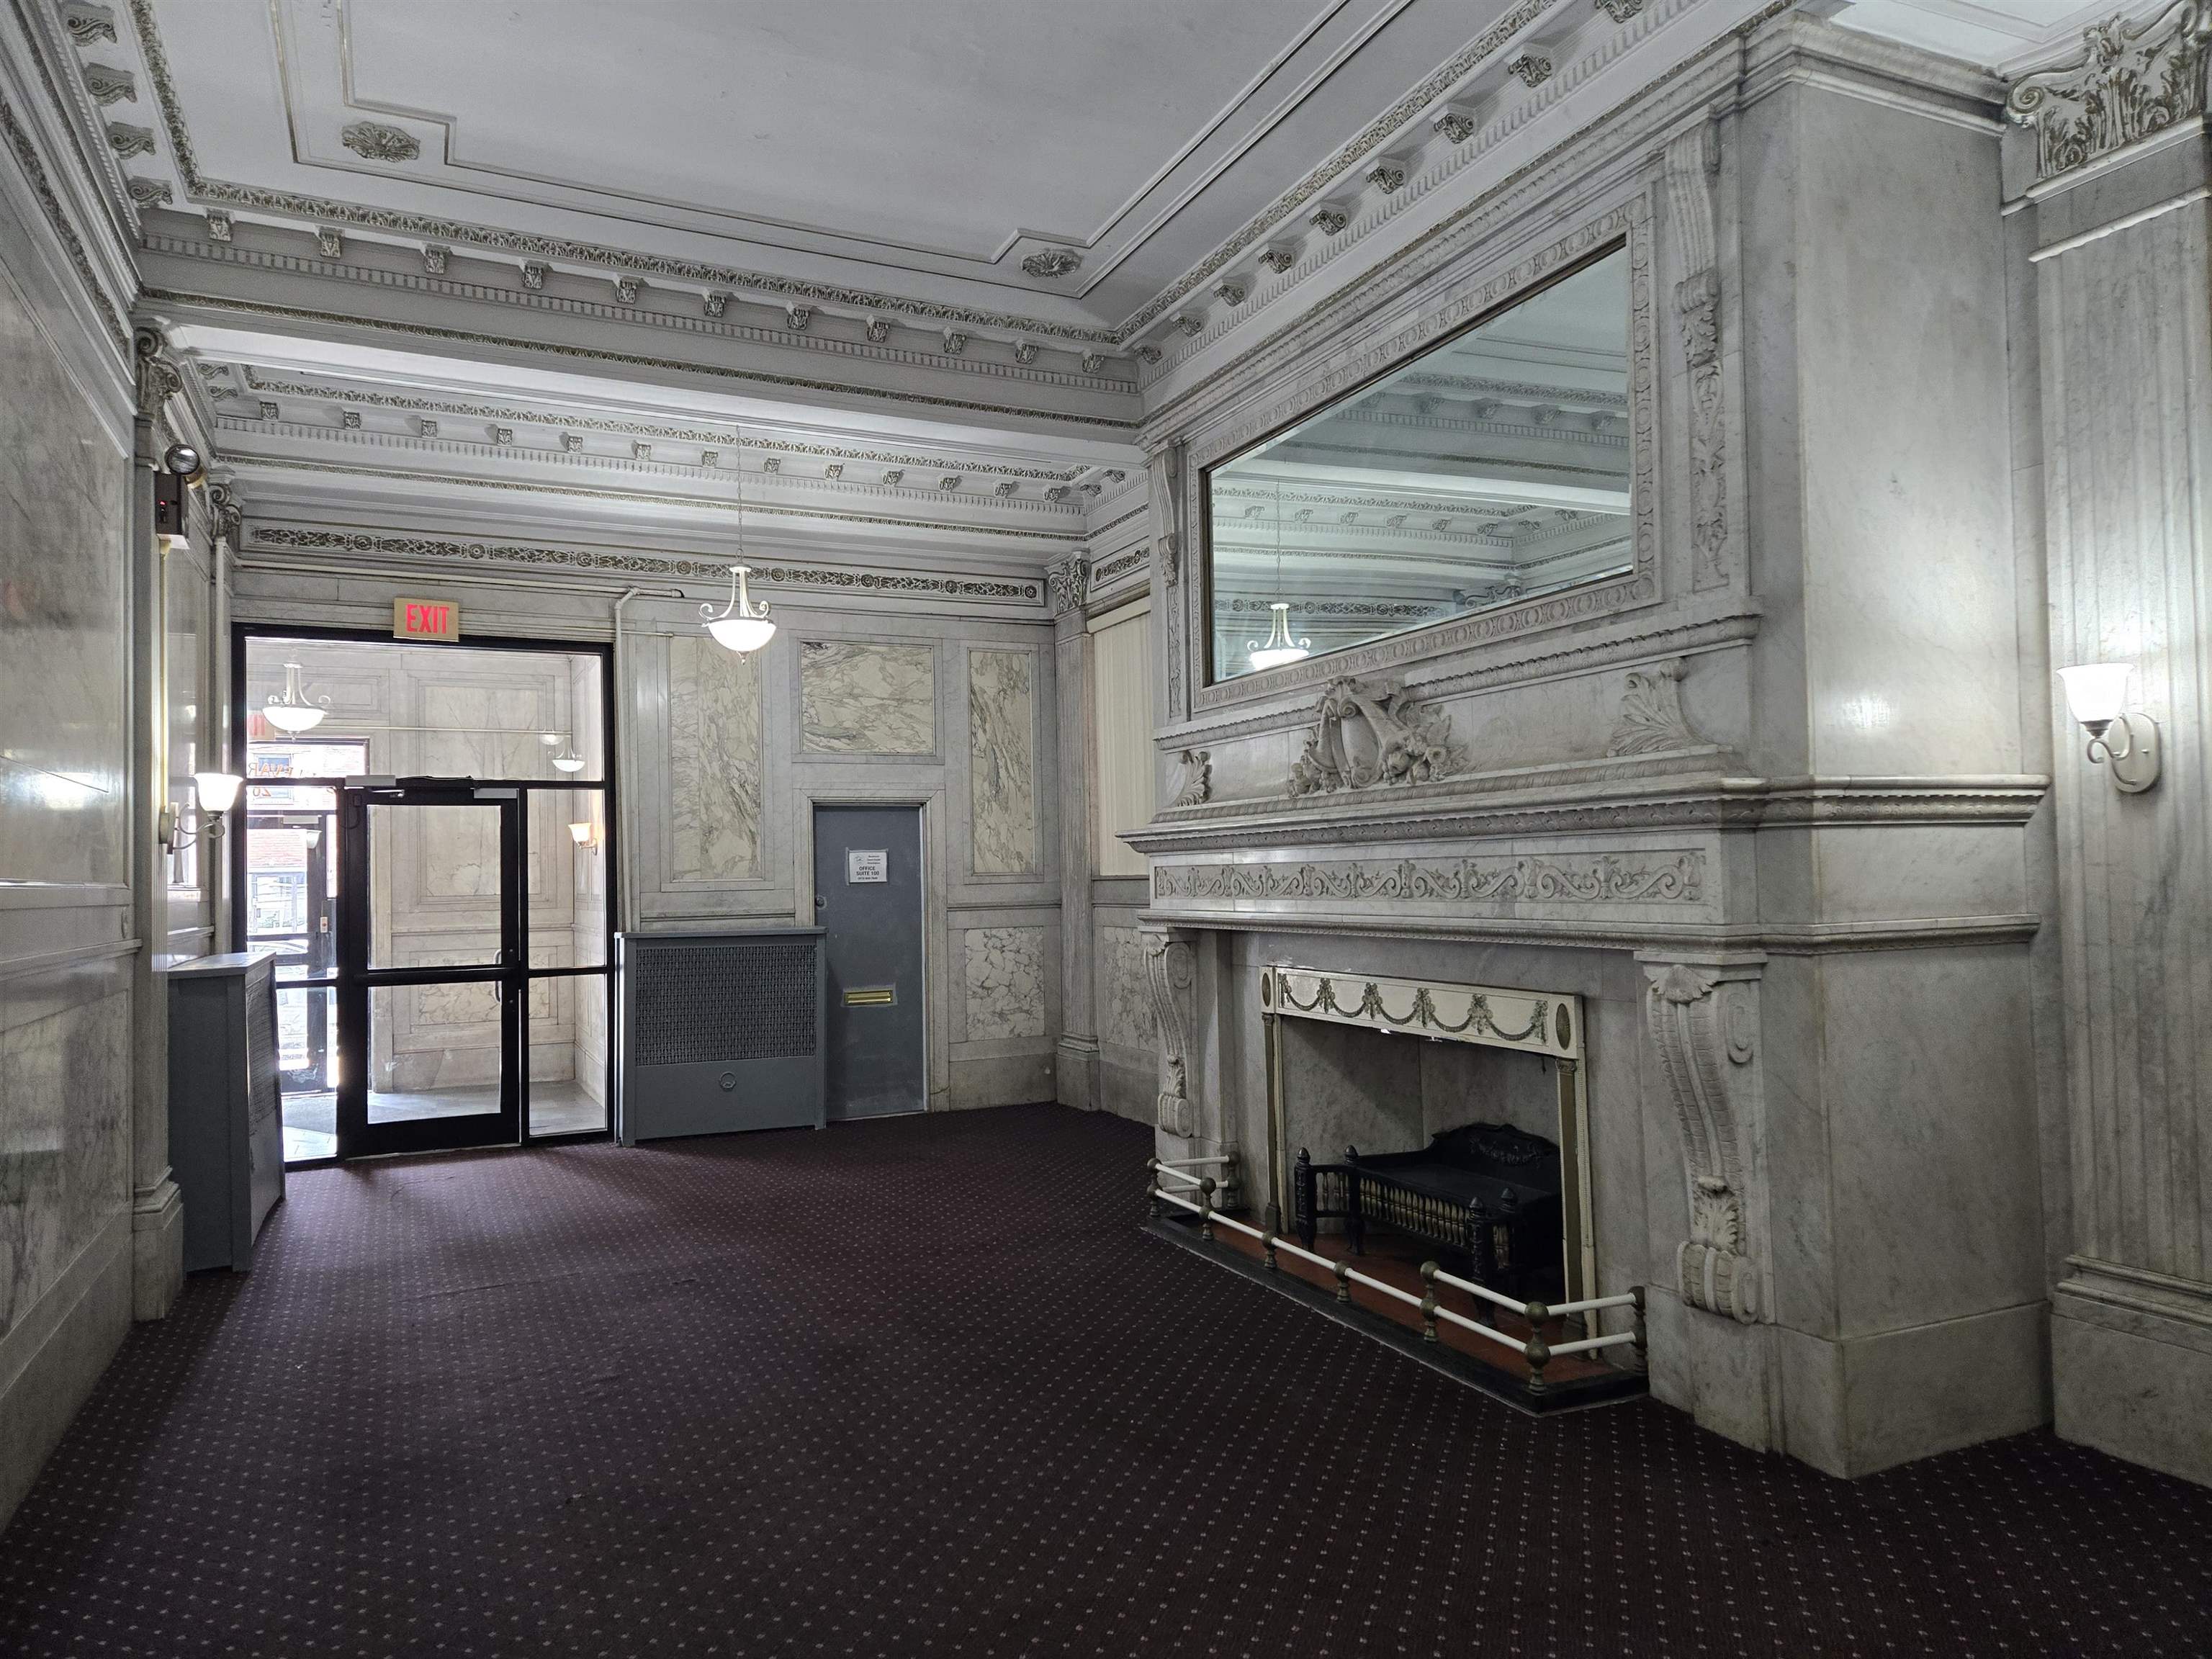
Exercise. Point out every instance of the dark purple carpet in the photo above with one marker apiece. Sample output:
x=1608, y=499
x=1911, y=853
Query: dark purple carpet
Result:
x=922, y=1387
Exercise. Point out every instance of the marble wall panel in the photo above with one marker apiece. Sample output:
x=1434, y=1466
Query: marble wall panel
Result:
x=714, y=762
x=64, y=1143
x=64, y=499
x=1004, y=977
x=861, y=698
x=1124, y=1001
x=1002, y=762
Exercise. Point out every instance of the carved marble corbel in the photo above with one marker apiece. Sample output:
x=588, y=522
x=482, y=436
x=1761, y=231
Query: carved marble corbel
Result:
x=1692, y=160
x=1163, y=480
x=1702, y=1021
x=159, y=378
x=229, y=516
x=1066, y=581
x=1171, y=971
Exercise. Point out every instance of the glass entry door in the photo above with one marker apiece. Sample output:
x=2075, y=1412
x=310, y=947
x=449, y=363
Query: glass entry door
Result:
x=431, y=970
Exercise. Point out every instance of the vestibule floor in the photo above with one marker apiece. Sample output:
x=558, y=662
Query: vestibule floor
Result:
x=924, y=1386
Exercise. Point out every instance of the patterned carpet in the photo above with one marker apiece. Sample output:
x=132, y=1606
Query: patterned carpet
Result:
x=922, y=1387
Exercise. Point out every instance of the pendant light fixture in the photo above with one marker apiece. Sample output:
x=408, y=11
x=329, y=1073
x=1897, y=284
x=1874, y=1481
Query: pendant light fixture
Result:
x=292, y=711
x=740, y=626
x=1280, y=647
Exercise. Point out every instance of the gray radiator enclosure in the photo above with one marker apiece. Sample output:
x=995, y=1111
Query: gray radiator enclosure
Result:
x=720, y=1031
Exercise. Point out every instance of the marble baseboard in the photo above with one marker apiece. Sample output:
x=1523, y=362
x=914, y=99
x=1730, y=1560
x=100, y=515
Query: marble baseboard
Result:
x=998, y=1080
x=1075, y=1070
x=1718, y=1371
x=1128, y=1091
x=50, y=1361
x=1857, y=1405
x=2138, y=1387
x=157, y=1251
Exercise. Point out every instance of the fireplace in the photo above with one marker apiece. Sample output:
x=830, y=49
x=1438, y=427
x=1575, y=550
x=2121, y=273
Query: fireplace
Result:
x=1388, y=1065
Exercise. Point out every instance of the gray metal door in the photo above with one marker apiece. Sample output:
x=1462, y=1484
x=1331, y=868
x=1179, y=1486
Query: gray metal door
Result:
x=867, y=894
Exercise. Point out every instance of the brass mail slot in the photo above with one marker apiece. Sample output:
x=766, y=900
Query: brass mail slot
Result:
x=872, y=996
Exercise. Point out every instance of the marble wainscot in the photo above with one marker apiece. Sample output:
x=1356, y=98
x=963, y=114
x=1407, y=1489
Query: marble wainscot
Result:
x=1759, y=799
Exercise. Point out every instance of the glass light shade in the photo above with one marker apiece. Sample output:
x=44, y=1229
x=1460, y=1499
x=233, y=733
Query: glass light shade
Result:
x=2096, y=692
x=290, y=710
x=742, y=633
x=581, y=834
x=569, y=760
x=1280, y=647
x=218, y=791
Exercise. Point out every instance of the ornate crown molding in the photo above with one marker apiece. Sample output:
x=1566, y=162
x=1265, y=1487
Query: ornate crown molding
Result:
x=2132, y=80
x=57, y=220
x=438, y=550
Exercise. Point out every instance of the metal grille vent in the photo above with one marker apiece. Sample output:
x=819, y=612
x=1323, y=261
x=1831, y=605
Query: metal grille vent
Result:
x=261, y=1087
x=700, y=1003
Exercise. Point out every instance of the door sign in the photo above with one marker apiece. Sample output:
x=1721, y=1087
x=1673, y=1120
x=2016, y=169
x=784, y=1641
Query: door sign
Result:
x=867, y=863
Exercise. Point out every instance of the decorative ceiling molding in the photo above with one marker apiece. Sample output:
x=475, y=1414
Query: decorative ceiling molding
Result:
x=635, y=359
x=34, y=171
x=430, y=550
x=200, y=188
x=729, y=435
x=243, y=459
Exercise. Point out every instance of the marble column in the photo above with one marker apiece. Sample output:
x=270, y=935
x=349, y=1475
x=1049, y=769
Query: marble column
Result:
x=1078, y=1062
x=156, y=1207
x=2117, y=254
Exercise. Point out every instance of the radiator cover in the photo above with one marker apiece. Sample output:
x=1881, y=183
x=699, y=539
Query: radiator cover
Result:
x=719, y=1031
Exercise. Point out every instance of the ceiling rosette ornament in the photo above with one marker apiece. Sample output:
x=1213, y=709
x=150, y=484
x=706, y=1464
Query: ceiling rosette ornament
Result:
x=1051, y=262
x=1371, y=735
x=2131, y=81
x=374, y=141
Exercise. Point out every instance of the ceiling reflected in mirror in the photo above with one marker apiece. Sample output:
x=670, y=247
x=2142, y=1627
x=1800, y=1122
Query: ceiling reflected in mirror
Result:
x=1489, y=470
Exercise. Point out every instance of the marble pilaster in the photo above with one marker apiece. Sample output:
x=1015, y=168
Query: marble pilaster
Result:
x=1077, y=1067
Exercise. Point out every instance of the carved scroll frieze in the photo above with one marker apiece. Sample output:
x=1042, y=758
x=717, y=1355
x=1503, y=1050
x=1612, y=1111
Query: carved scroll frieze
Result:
x=1701, y=1026
x=1661, y=878
x=1171, y=971
x=2132, y=80
x=1692, y=160
x=1369, y=735
x=1651, y=721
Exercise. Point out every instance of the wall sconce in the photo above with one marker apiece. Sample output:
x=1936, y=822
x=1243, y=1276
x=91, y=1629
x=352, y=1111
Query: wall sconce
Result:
x=582, y=834
x=218, y=793
x=2097, y=694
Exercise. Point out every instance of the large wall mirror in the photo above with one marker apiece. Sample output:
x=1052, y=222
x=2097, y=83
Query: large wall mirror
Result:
x=1489, y=470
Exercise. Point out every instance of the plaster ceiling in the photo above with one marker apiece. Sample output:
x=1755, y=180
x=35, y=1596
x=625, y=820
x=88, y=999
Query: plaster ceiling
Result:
x=2005, y=35
x=923, y=150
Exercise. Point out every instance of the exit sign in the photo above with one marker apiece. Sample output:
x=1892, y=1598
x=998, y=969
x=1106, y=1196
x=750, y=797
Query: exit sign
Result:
x=425, y=619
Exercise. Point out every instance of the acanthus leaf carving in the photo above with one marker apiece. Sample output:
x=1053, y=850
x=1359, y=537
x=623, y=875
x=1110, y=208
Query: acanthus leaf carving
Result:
x=377, y=141
x=1715, y=1265
x=1651, y=720
x=1195, y=787
x=2132, y=80
x=1664, y=878
x=1691, y=159
x=1405, y=743
x=1065, y=579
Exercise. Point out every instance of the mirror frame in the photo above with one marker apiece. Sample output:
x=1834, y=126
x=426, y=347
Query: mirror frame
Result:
x=1628, y=227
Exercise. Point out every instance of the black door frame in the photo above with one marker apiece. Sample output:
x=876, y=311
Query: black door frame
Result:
x=318, y=942
x=509, y=976
x=606, y=785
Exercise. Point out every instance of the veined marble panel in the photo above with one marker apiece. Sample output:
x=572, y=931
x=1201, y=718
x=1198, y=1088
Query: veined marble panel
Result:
x=1124, y=1001
x=856, y=697
x=1002, y=761
x=63, y=498
x=1006, y=982
x=64, y=1143
x=714, y=762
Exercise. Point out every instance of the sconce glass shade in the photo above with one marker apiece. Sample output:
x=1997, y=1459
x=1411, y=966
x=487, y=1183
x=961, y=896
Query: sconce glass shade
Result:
x=741, y=626
x=218, y=791
x=568, y=760
x=1280, y=647
x=2096, y=692
x=581, y=834
x=290, y=710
